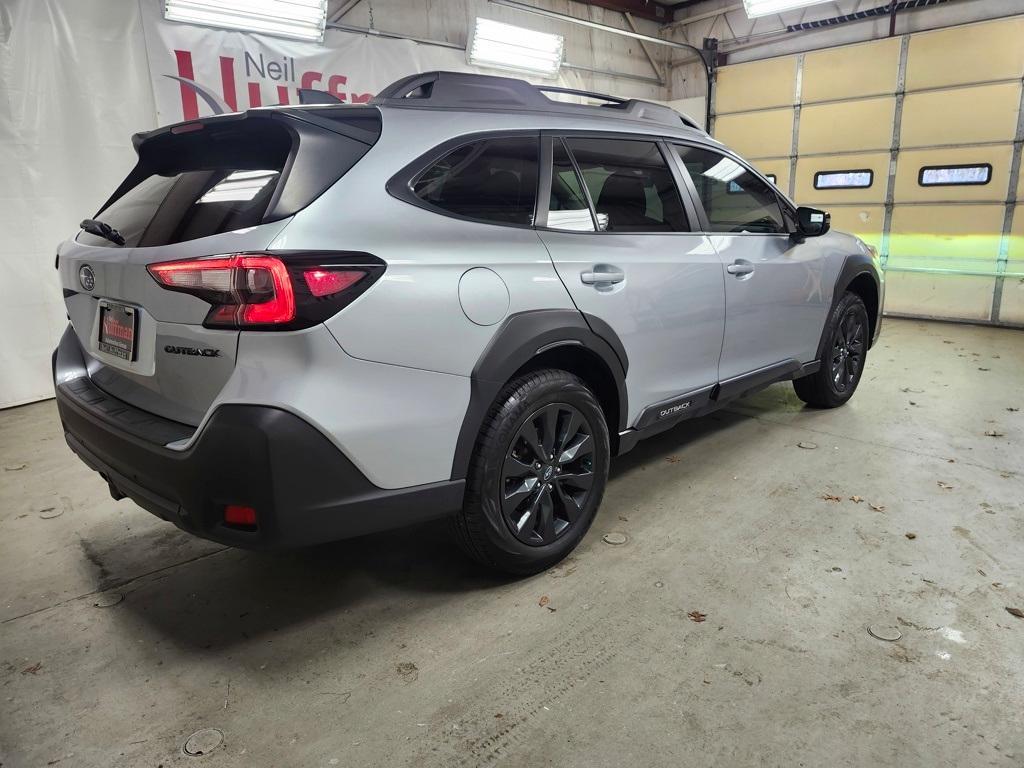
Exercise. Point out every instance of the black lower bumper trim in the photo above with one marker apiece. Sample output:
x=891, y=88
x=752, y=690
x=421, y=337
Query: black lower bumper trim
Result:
x=304, y=490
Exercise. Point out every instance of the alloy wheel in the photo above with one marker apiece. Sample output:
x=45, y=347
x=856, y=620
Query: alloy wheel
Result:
x=848, y=350
x=547, y=474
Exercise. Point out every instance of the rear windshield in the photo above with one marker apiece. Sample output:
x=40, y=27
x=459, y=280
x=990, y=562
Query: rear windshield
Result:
x=228, y=176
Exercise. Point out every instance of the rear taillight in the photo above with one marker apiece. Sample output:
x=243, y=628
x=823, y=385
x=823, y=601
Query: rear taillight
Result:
x=265, y=291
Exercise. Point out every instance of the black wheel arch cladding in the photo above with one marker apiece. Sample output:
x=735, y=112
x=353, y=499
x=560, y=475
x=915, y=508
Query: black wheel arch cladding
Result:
x=518, y=341
x=854, y=269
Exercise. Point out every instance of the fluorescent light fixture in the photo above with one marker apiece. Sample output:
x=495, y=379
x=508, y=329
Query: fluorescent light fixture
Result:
x=240, y=186
x=297, y=19
x=755, y=8
x=724, y=170
x=505, y=46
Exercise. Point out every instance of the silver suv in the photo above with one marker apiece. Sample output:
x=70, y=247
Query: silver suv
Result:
x=298, y=324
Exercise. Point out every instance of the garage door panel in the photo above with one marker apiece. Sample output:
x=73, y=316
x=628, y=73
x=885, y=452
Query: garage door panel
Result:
x=910, y=163
x=1011, y=308
x=861, y=124
x=969, y=54
x=957, y=297
x=758, y=134
x=777, y=168
x=962, y=237
x=756, y=85
x=864, y=221
x=960, y=115
x=808, y=167
x=1015, y=246
x=851, y=71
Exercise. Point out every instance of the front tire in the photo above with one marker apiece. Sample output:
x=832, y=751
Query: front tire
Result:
x=537, y=476
x=842, y=363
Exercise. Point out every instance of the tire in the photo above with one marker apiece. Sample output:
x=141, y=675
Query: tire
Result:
x=843, y=360
x=524, y=511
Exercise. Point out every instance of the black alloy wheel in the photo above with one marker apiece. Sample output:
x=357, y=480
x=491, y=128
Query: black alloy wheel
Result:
x=848, y=343
x=547, y=474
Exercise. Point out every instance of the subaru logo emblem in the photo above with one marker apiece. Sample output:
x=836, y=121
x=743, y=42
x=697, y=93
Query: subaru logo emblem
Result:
x=87, y=277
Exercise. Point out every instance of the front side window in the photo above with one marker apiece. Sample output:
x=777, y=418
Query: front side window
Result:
x=734, y=199
x=492, y=180
x=630, y=184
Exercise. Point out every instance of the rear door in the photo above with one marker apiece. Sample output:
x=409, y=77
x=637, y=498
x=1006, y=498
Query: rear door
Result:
x=622, y=241
x=775, y=300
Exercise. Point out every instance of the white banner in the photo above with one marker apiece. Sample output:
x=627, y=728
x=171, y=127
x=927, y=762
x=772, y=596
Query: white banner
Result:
x=198, y=71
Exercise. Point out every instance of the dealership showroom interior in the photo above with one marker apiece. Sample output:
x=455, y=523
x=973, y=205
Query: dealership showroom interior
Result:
x=511, y=382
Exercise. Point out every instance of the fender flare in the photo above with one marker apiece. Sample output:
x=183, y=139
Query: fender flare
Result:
x=853, y=267
x=519, y=339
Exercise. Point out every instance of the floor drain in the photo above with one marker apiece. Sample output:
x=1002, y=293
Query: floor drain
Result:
x=202, y=742
x=614, y=538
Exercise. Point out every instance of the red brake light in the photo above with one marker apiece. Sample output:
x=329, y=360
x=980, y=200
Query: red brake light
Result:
x=280, y=291
x=324, y=282
x=246, y=290
x=235, y=514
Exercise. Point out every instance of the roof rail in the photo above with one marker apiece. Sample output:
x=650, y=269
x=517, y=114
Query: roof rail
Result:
x=468, y=91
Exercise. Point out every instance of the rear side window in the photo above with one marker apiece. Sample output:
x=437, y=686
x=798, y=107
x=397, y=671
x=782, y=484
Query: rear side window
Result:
x=493, y=180
x=224, y=176
x=568, y=207
x=734, y=199
x=630, y=184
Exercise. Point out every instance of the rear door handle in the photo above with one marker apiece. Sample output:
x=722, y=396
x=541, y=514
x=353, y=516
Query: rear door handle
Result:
x=740, y=268
x=602, y=278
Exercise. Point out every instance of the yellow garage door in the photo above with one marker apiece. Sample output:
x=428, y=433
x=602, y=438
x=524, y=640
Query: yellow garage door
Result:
x=926, y=171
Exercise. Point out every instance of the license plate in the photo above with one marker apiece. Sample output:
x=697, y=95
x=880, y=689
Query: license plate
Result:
x=118, y=324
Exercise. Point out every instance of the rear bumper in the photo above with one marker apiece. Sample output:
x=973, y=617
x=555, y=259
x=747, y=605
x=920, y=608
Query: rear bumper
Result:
x=304, y=490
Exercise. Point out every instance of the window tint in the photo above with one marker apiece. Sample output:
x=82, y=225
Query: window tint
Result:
x=734, y=198
x=491, y=180
x=568, y=207
x=843, y=179
x=630, y=184
x=223, y=177
x=954, y=175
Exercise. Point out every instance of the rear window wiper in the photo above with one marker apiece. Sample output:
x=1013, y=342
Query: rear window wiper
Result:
x=101, y=229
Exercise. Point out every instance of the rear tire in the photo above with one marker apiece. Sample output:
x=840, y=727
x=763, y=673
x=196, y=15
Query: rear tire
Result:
x=537, y=475
x=843, y=360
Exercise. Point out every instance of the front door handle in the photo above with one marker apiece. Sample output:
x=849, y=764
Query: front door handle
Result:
x=602, y=278
x=740, y=268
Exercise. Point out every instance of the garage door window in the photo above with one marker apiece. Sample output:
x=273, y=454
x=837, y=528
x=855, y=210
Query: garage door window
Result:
x=494, y=180
x=860, y=179
x=734, y=199
x=631, y=185
x=954, y=175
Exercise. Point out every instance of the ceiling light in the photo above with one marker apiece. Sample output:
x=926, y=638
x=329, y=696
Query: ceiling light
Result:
x=757, y=8
x=239, y=186
x=724, y=170
x=505, y=46
x=298, y=19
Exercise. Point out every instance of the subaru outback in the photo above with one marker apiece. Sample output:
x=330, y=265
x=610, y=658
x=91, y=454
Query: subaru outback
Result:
x=292, y=325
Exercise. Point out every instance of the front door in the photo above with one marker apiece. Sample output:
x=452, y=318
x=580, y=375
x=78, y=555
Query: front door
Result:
x=622, y=243
x=775, y=303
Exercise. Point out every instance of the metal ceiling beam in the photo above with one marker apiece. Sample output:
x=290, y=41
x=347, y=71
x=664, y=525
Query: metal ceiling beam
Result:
x=644, y=9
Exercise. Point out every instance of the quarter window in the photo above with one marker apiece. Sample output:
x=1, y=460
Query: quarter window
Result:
x=630, y=185
x=954, y=175
x=861, y=179
x=734, y=199
x=493, y=180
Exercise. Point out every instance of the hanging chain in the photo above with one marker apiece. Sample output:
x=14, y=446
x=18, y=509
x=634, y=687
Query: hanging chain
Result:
x=370, y=4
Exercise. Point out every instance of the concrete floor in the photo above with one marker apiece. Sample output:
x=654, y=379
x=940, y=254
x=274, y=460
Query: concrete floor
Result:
x=392, y=650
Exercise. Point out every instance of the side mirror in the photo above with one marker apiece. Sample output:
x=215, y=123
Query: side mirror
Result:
x=812, y=222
